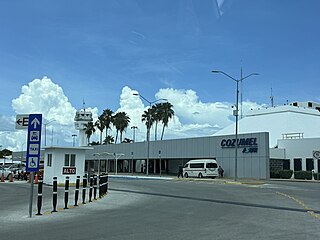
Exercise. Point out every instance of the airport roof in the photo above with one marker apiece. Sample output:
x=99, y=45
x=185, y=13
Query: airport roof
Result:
x=281, y=122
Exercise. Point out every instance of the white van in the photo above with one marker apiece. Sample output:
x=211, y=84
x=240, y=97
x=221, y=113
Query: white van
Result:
x=201, y=168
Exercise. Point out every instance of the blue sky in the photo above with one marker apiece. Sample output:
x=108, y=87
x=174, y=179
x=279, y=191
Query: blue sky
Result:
x=93, y=49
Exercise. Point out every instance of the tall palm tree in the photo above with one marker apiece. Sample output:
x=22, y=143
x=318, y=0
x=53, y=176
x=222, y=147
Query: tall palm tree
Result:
x=100, y=125
x=109, y=140
x=156, y=116
x=107, y=119
x=166, y=114
x=121, y=121
x=89, y=130
x=147, y=117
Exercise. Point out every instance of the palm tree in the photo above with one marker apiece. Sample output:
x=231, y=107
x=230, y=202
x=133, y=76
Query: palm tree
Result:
x=100, y=125
x=107, y=120
x=109, y=140
x=147, y=117
x=121, y=121
x=156, y=117
x=89, y=130
x=166, y=114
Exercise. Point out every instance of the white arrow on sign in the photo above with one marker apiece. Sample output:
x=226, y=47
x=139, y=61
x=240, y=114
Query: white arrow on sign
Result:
x=35, y=121
x=22, y=121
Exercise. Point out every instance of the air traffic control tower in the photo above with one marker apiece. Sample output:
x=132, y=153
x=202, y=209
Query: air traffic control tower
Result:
x=82, y=118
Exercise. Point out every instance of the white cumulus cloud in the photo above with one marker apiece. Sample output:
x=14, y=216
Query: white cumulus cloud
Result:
x=193, y=118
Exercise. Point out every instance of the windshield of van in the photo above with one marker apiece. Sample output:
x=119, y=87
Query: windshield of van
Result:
x=211, y=165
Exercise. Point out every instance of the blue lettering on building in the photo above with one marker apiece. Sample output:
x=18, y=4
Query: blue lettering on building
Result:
x=249, y=145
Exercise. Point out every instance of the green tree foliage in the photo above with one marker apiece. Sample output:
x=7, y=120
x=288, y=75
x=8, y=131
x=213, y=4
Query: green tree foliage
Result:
x=89, y=130
x=121, y=121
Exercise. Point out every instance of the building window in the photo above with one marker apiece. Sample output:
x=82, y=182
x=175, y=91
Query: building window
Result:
x=69, y=160
x=73, y=160
x=286, y=164
x=49, y=162
x=309, y=164
x=297, y=164
x=66, y=160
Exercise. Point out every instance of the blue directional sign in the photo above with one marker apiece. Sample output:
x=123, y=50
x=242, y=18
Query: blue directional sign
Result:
x=33, y=143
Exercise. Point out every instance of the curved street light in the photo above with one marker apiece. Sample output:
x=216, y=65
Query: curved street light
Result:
x=148, y=133
x=236, y=114
x=45, y=131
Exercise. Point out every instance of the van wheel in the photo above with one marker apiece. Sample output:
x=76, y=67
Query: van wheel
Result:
x=200, y=175
x=213, y=177
x=186, y=175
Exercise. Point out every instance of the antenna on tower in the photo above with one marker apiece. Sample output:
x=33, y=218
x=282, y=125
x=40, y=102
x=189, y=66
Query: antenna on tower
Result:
x=241, y=92
x=271, y=98
x=83, y=105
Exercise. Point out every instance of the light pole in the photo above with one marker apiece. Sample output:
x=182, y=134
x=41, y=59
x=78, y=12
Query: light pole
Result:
x=45, y=131
x=74, y=139
x=236, y=114
x=148, y=126
x=134, y=133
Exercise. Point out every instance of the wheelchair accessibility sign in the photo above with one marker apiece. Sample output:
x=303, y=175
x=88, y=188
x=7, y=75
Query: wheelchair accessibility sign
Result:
x=33, y=144
x=33, y=162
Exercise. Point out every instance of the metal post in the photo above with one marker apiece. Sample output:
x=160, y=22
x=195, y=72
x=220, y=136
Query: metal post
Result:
x=31, y=194
x=95, y=187
x=160, y=161
x=84, y=186
x=55, y=194
x=236, y=115
x=91, y=188
x=100, y=186
x=76, y=195
x=236, y=147
x=66, y=193
x=132, y=163
x=39, y=204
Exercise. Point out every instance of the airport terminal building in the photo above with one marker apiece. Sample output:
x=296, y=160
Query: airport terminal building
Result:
x=252, y=160
x=275, y=138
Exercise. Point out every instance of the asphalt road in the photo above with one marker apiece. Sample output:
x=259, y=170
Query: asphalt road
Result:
x=169, y=209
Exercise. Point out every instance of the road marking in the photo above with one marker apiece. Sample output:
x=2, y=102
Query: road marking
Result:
x=309, y=210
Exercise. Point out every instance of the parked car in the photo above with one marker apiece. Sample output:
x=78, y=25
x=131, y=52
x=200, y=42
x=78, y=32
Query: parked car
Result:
x=13, y=170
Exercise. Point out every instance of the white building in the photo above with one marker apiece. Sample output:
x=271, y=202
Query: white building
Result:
x=294, y=133
x=82, y=118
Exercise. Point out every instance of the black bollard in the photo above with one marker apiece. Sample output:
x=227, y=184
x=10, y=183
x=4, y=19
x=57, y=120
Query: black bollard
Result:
x=66, y=193
x=55, y=194
x=40, y=182
x=95, y=187
x=76, y=195
x=91, y=188
x=107, y=182
x=84, y=186
x=100, y=186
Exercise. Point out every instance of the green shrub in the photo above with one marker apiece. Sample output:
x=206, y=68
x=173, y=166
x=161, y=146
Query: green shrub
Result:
x=299, y=175
x=308, y=175
x=316, y=176
x=286, y=174
x=274, y=174
x=303, y=175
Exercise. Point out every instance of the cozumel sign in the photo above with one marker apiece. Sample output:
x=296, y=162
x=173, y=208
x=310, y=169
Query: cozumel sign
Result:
x=249, y=145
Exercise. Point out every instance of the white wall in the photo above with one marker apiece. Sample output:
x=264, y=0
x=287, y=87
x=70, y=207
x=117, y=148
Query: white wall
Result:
x=300, y=148
x=58, y=157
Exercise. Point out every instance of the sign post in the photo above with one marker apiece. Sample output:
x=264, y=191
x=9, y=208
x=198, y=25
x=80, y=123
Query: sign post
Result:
x=33, y=150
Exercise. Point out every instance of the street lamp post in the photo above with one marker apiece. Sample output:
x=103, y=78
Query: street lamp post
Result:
x=45, y=131
x=148, y=126
x=74, y=139
x=236, y=114
x=134, y=133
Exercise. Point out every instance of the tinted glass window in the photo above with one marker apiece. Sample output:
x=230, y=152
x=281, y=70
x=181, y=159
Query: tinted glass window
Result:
x=196, y=165
x=211, y=165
